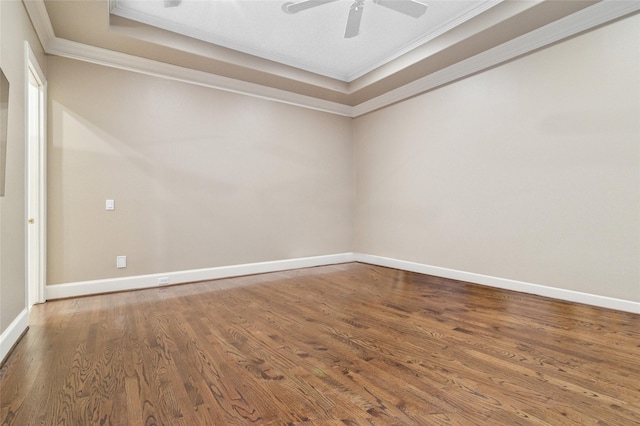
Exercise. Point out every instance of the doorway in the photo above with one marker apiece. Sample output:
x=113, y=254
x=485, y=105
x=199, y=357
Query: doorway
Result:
x=36, y=155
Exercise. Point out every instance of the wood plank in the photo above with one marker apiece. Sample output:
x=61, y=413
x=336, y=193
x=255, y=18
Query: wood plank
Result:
x=345, y=344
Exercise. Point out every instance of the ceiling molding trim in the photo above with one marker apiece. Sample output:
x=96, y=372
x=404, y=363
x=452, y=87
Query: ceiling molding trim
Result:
x=593, y=16
x=40, y=19
x=147, y=33
x=167, y=25
x=124, y=61
x=581, y=21
x=53, y=45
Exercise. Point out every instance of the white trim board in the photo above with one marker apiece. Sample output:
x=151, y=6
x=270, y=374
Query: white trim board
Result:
x=12, y=334
x=503, y=283
x=562, y=29
x=109, y=58
x=84, y=288
x=584, y=20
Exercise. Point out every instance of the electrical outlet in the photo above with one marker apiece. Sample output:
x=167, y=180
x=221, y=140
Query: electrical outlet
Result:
x=163, y=280
x=121, y=261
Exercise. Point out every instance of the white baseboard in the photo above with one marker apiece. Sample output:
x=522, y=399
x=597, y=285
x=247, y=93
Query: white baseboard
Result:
x=84, y=288
x=12, y=334
x=60, y=291
x=524, y=287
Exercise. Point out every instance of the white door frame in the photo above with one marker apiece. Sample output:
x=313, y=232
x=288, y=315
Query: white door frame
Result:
x=36, y=185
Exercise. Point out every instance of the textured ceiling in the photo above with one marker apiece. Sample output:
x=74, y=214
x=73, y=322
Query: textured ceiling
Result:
x=313, y=39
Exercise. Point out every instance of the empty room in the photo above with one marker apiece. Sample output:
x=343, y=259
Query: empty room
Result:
x=321, y=212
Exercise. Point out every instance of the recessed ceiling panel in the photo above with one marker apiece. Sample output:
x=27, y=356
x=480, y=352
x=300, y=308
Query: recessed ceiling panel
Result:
x=312, y=39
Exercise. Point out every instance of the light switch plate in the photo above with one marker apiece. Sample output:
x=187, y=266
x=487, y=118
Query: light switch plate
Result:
x=111, y=205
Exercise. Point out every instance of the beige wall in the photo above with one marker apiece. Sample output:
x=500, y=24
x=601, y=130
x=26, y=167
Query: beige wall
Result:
x=15, y=28
x=200, y=177
x=529, y=171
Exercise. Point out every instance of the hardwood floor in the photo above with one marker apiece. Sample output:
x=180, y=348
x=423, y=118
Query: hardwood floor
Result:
x=350, y=344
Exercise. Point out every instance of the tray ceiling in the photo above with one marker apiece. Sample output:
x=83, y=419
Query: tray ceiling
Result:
x=253, y=47
x=312, y=40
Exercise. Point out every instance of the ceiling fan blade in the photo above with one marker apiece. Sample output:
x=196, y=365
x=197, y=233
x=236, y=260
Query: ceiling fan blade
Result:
x=408, y=7
x=353, y=22
x=172, y=3
x=291, y=7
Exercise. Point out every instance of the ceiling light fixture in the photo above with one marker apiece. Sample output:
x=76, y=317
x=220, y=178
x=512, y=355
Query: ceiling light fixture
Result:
x=412, y=8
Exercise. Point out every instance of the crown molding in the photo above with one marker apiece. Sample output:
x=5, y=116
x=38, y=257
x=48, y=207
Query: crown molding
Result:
x=586, y=19
x=83, y=52
x=53, y=45
x=40, y=19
